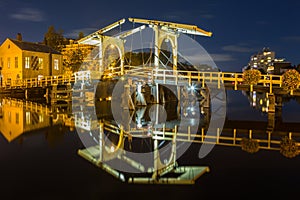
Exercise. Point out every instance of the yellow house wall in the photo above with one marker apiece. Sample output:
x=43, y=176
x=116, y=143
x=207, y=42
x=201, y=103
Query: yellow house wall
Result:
x=13, y=73
x=9, y=50
x=33, y=73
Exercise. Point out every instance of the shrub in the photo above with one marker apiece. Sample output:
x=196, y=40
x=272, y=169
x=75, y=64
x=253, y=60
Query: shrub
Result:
x=288, y=147
x=249, y=145
x=251, y=76
x=291, y=79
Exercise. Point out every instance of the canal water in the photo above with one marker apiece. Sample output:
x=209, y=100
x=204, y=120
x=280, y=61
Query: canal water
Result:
x=39, y=156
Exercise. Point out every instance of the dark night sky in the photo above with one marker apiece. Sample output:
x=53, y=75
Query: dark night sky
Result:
x=240, y=28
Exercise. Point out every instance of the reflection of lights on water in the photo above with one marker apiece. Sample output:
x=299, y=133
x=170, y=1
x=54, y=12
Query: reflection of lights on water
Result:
x=265, y=109
x=193, y=111
x=139, y=88
x=254, y=98
x=139, y=125
x=185, y=114
x=112, y=148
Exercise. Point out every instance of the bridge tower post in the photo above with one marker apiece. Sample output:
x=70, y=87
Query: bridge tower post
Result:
x=161, y=36
x=271, y=111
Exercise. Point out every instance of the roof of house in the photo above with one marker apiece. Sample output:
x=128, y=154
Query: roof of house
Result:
x=30, y=46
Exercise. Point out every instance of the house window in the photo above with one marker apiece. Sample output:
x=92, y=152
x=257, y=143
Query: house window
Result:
x=56, y=67
x=8, y=63
x=16, y=62
x=9, y=117
x=28, y=120
x=41, y=118
x=41, y=63
x=8, y=81
x=17, y=118
x=27, y=62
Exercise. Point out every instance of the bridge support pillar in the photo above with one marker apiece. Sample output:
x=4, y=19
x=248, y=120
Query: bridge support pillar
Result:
x=155, y=93
x=206, y=98
x=271, y=121
x=271, y=106
x=46, y=95
x=127, y=102
x=26, y=94
x=139, y=98
x=278, y=109
x=54, y=94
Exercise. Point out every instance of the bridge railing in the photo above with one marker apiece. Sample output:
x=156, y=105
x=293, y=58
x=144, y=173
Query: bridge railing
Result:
x=182, y=77
x=39, y=82
x=177, y=77
x=230, y=137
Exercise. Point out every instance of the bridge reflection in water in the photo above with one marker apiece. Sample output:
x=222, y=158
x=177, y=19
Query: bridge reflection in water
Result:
x=149, y=131
x=111, y=143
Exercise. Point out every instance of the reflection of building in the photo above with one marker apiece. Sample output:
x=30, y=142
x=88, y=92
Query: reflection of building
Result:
x=258, y=100
x=18, y=118
x=266, y=62
x=20, y=60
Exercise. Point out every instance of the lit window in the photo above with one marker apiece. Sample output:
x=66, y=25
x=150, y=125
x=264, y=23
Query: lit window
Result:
x=255, y=58
x=56, y=67
x=9, y=117
x=41, y=118
x=27, y=62
x=41, y=63
x=16, y=62
x=8, y=63
x=17, y=118
x=28, y=117
x=261, y=61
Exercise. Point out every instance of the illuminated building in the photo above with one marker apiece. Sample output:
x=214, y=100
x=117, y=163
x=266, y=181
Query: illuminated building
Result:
x=20, y=60
x=266, y=62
